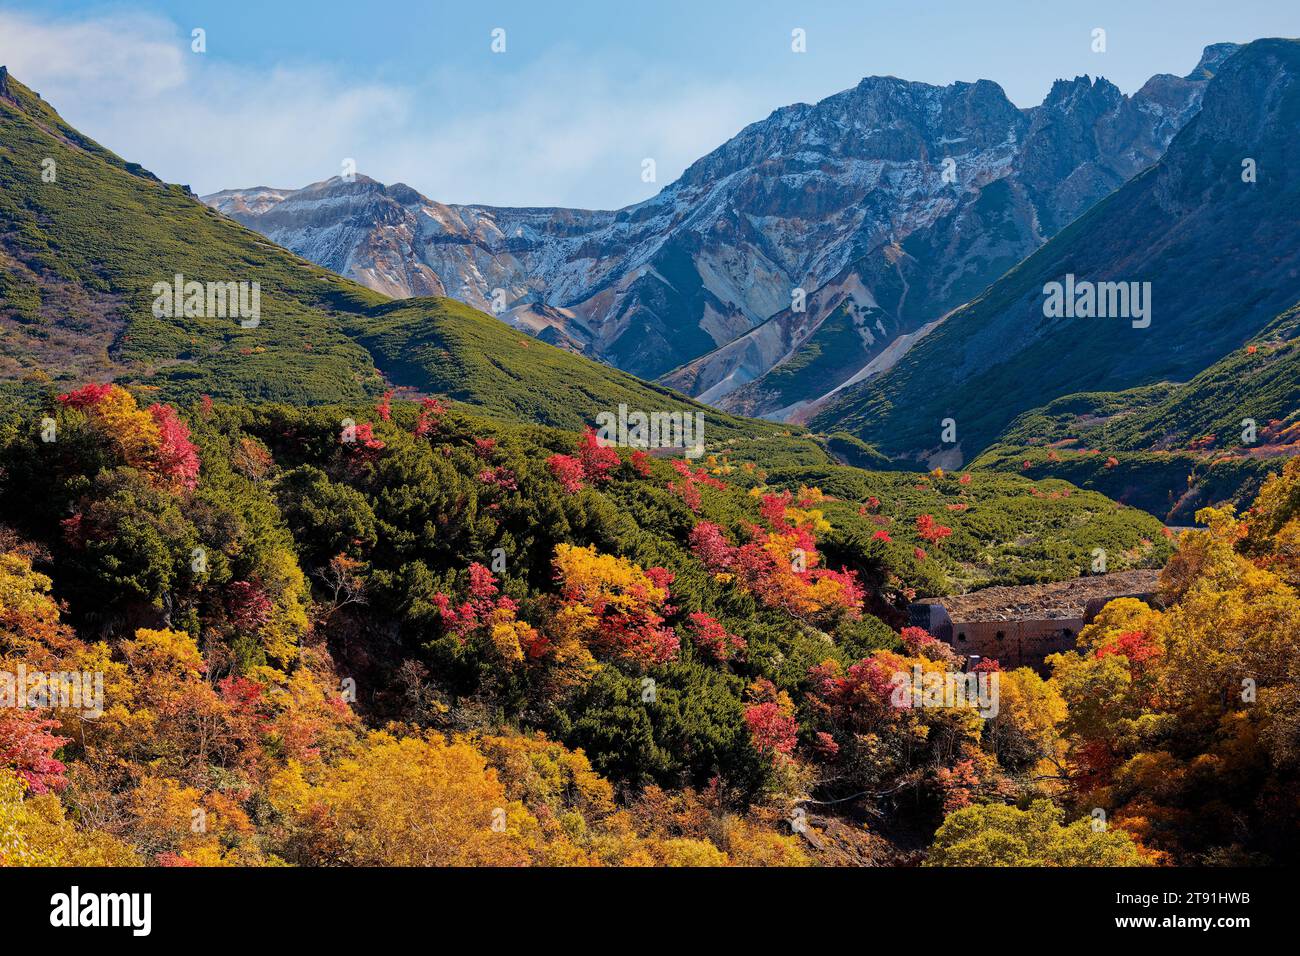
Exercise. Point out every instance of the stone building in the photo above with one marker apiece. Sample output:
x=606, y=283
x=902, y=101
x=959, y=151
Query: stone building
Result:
x=1021, y=626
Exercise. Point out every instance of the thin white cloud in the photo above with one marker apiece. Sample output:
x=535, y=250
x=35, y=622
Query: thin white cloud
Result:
x=559, y=132
x=124, y=57
x=565, y=133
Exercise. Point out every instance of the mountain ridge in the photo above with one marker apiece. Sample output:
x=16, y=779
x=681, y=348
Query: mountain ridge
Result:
x=794, y=200
x=1192, y=214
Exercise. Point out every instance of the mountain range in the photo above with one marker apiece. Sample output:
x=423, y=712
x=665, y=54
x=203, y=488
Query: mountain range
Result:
x=886, y=205
x=924, y=296
x=1210, y=228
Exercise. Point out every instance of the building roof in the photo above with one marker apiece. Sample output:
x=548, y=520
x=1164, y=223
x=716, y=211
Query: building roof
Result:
x=1058, y=599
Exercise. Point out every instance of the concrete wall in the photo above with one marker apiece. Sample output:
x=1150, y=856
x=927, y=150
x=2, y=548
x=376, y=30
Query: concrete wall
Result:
x=932, y=616
x=1015, y=643
x=1012, y=643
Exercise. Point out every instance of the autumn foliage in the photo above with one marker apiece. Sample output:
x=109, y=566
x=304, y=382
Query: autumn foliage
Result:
x=155, y=440
x=615, y=607
x=311, y=654
x=780, y=562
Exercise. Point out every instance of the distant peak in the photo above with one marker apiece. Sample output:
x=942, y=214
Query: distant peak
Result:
x=867, y=82
x=877, y=84
x=881, y=88
x=1212, y=58
x=356, y=181
x=404, y=194
x=1065, y=91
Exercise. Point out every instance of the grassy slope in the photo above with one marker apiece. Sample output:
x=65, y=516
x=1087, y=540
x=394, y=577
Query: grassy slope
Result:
x=1006, y=529
x=1178, y=446
x=79, y=257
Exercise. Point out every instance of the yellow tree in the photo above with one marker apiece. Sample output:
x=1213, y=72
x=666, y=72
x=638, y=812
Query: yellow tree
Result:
x=35, y=832
x=412, y=801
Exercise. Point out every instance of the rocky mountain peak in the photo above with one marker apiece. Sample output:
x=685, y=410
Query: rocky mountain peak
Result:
x=404, y=194
x=12, y=90
x=1214, y=247
x=1212, y=58
x=1082, y=91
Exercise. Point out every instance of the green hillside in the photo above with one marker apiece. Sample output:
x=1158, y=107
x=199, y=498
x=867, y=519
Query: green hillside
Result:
x=1005, y=529
x=1175, y=446
x=1260, y=381
x=79, y=257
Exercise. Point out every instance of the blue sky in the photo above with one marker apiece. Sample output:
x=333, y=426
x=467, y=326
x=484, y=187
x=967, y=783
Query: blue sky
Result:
x=584, y=92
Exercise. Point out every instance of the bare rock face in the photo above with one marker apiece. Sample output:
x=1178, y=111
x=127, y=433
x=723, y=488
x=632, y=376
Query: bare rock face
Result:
x=360, y=229
x=875, y=210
